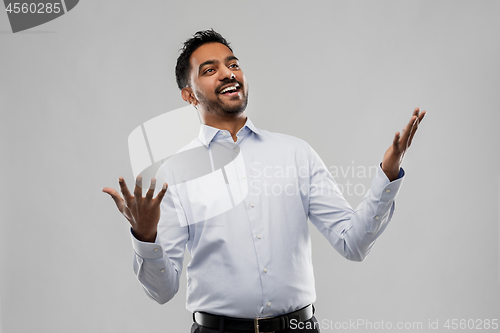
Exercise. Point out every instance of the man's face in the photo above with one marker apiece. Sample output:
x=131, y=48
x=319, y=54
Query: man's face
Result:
x=217, y=81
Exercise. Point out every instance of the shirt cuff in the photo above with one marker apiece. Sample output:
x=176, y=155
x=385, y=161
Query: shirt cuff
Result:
x=146, y=250
x=385, y=189
x=401, y=173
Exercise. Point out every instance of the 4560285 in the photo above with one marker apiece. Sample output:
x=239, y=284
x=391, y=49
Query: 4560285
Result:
x=34, y=8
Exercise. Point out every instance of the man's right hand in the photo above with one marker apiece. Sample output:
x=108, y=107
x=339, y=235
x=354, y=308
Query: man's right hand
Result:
x=143, y=213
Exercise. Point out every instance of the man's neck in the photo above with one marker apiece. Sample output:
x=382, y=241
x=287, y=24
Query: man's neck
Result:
x=231, y=124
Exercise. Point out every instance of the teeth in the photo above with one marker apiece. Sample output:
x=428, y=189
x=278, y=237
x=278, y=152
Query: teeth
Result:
x=233, y=88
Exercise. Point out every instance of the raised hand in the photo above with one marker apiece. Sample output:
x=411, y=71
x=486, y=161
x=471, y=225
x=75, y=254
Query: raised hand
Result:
x=393, y=157
x=143, y=213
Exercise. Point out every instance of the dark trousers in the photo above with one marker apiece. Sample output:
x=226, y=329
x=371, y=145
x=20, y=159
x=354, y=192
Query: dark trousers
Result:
x=309, y=326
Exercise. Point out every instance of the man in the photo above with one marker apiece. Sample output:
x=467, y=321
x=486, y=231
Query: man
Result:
x=251, y=268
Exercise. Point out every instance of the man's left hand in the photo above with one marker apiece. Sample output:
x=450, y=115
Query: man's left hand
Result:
x=393, y=157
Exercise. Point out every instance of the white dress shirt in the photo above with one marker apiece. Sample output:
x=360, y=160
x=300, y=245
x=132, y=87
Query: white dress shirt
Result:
x=254, y=259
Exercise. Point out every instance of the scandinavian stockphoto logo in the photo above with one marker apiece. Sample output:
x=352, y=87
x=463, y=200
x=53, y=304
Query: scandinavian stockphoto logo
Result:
x=28, y=14
x=211, y=180
x=208, y=180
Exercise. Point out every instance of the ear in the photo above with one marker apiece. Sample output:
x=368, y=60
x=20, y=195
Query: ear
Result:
x=188, y=95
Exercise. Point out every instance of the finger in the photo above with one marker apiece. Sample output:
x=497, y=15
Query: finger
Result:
x=406, y=139
x=395, y=142
x=138, y=188
x=150, y=192
x=405, y=135
x=161, y=194
x=413, y=131
x=421, y=116
x=416, y=111
x=115, y=196
x=124, y=189
x=415, y=127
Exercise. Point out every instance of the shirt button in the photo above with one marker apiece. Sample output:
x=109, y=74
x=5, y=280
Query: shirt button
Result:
x=236, y=149
x=387, y=191
x=377, y=217
x=268, y=303
x=162, y=271
x=259, y=236
x=244, y=177
x=252, y=205
x=155, y=249
x=265, y=270
x=224, y=134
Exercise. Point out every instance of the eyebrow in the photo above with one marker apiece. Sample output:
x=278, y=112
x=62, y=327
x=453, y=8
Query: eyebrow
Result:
x=211, y=62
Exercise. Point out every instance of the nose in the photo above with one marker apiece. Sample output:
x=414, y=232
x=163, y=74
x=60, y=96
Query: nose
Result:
x=226, y=73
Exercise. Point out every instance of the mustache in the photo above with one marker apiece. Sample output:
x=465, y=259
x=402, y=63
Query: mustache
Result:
x=226, y=82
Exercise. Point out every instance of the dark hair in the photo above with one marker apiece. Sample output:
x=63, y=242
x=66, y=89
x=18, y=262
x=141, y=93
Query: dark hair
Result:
x=183, y=66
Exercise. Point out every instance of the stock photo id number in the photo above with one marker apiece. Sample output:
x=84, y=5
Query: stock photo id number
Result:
x=28, y=14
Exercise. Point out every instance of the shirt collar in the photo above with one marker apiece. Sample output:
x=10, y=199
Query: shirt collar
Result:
x=208, y=133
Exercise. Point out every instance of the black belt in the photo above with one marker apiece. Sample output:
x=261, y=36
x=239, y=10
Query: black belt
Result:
x=268, y=324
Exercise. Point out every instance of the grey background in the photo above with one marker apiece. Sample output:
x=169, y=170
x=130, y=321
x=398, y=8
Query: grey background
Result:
x=343, y=75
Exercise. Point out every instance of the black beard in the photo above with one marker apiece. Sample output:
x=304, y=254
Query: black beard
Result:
x=220, y=109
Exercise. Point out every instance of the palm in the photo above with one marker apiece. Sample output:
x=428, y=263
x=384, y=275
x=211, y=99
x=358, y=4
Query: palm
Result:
x=394, y=155
x=143, y=213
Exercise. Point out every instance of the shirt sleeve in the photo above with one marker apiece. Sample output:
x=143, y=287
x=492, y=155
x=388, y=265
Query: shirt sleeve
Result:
x=158, y=265
x=351, y=232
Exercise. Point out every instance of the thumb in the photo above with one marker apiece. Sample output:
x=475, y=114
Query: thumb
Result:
x=114, y=195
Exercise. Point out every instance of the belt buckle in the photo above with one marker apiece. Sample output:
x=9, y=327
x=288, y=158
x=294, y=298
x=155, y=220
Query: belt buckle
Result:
x=256, y=324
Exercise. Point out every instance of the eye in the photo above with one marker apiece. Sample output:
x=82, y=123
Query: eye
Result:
x=234, y=66
x=208, y=71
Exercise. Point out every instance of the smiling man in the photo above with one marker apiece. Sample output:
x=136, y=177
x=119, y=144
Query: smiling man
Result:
x=226, y=97
x=251, y=267
x=212, y=79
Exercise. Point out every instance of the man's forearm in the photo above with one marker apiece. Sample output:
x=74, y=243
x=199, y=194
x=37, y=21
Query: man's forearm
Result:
x=352, y=233
x=154, y=270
